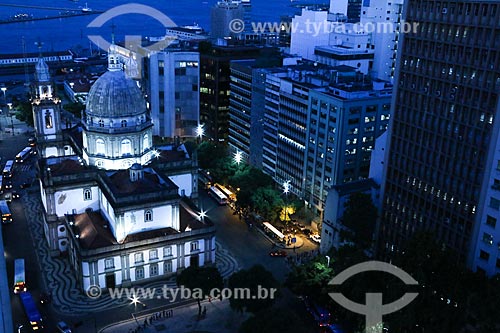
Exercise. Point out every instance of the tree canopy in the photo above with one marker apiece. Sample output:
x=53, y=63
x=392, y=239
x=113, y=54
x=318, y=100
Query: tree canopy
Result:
x=258, y=280
x=204, y=278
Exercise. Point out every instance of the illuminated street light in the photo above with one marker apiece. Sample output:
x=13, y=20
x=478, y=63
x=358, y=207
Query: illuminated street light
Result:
x=286, y=187
x=134, y=299
x=4, y=89
x=156, y=153
x=237, y=157
x=327, y=261
x=200, y=131
x=203, y=214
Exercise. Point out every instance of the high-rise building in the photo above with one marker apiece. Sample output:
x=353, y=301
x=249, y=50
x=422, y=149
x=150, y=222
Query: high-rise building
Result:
x=214, y=87
x=172, y=87
x=314, y=125
x=221, y=16
x=442, y=160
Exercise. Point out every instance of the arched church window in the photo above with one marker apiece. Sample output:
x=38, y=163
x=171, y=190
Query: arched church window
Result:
x=87, y=194
x=101, y=123
x=126, y=147
x=145, y=142
x=100, y=147
x=124, y=123
x=148, y=216
x=48, y=119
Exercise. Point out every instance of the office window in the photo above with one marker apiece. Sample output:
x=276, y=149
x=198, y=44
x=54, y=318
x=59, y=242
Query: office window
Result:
x=153, y=270
x=484, y=255
x=153, y=254
x=495, y=203
x=138, y=257
x=487, y=238
x=148, y=216
x=109, y=263
x=491, y=221
x=139, y=273
x=194, y=246
x=87, y=194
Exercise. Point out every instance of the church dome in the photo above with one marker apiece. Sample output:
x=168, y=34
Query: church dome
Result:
x=115, y=95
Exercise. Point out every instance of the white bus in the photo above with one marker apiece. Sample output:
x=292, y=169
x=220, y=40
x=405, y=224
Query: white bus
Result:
x=19, y=276
x=230, y=195
x=218, y=195
x=23, y=155
x=6, y=214
x=7, y=170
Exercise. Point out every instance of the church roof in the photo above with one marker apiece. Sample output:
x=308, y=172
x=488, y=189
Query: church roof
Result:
x=122, y=185
x=93, y=230
x=115, y=95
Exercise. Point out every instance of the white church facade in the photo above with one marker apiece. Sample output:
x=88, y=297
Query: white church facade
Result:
x=122, y=210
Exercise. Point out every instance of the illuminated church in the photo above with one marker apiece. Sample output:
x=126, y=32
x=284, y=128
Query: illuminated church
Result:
x=119, y=208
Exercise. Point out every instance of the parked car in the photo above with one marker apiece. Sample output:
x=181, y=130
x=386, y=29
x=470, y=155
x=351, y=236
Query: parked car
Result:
x=62, y=327
x=316, y=238
x=15, y=195
x=277, y=253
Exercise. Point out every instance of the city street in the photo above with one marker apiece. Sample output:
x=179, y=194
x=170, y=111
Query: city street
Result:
x=238, y=246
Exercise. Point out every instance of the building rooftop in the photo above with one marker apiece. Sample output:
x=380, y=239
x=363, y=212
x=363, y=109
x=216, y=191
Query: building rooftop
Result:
x=66, y=166
x=121, y=183
x=93, y=230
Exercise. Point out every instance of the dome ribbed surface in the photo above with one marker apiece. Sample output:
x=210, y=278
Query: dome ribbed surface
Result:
x=115, y=95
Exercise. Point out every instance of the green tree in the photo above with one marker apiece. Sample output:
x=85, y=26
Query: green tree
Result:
x=267, y=202
x=75, y=108
x=311, y=279
x=203, y=279
x=274, y=320
x=360, y=216
x=209, y=154
x=253, y=279
x=24, y=112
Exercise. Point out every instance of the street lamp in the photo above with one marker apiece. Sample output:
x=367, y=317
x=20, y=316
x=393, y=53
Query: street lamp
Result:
x=4, y=89
x=19, y=326
x=237, y=157
x=203, y=214
x=327, y=261
x=200, y=131
x=286, y=189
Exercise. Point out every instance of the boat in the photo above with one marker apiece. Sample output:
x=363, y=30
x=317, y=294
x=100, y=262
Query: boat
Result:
x=86, y=9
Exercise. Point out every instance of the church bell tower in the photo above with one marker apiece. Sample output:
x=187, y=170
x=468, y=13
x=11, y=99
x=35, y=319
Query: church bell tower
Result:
x=46, y=110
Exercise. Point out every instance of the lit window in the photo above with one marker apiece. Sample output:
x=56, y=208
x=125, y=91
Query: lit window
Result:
x=167, y=251
x=87, y=194
x=487, y=238
x=100, y=148
x=126, y=147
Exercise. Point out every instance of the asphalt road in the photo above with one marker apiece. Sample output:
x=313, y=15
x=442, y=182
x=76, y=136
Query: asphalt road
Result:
x=17, y=239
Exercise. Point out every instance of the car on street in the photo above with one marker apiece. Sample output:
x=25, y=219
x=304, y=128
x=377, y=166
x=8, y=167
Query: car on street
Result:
x=277, y=253
x=62, y=327
x=316, y=238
